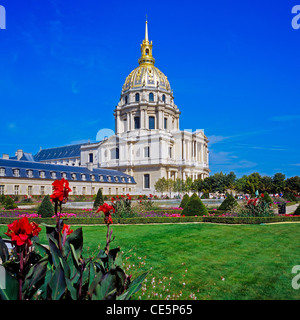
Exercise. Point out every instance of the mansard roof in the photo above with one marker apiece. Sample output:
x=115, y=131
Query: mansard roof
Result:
x=80, y=173
x=70, y=151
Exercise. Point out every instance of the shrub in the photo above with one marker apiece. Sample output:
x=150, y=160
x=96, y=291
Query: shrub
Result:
x=228, y=204
x=46, y=208
x=184, y=200
x=9, y=203
x=256, y=208
x=195, y=207
x=205, y=196
x=290, y=197
x=267, y=198
x=99, y=199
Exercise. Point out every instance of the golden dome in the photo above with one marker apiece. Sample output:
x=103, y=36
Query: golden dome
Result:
x=146, y=74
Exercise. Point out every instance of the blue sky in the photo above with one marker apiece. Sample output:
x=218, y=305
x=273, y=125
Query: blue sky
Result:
x=233, y=66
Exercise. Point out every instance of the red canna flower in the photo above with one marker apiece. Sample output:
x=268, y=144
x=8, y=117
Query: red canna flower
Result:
x=21, y=231
x=60, y=190
x=66, y=229
x=105, y=208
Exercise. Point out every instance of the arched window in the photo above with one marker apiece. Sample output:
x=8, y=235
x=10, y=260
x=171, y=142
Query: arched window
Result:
x=147, y=52
x=151, y=97
x=163, y=98
x=126, y=99
x=137, y=97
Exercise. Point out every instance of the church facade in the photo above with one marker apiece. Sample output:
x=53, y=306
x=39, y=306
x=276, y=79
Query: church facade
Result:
x=147, y=144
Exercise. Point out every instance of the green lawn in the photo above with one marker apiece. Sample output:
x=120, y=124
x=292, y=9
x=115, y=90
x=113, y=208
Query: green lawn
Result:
x=190, y=260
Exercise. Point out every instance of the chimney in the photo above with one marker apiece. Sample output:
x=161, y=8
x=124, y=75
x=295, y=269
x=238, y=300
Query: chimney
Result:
x=19, y=154
x=5, y=156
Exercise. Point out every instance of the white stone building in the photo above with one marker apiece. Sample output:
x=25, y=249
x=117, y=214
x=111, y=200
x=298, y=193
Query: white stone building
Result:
x=147, y=145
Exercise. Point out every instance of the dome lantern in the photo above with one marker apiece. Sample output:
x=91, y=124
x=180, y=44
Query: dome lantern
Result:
x=146, y=49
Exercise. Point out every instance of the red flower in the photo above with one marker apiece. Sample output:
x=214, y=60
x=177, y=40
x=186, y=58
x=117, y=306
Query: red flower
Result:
x=66, y=228
x=150, y=195
x=60, y=190
x=21, y=231
x=113, y=199
x=262, y=195
x=105, y=208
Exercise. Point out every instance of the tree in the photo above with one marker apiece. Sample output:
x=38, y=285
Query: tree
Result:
x=266, y=184
x=99, y=199
x=46, y=208
x=178, y=185
x=188, y=184
x=161, y=185
x=278, y=182
x=293, y=184
x=170, y=185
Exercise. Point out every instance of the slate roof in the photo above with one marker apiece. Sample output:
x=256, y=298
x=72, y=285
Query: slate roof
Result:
x=71, y=151
x=26, y=157
x=37, y=167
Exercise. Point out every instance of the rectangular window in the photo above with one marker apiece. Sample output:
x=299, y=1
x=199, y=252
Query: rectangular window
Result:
x=147, y=181
x=147, y=152
x=1, y=189
x=137, y=124
x=42, y=190
x=29, y=190
x=117, y=190
x=170, y=152
x=74, y=190
x=151, y=123
x=166, y=123
x=83, y=190
x=91, y=157
x=16, y=190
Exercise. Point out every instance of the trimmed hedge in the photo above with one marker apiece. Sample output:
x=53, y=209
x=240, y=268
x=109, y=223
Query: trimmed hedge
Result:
x=143, y=220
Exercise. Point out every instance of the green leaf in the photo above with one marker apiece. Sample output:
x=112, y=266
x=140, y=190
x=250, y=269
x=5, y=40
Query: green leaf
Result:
x=55, y=252
x=105, y=290
x=57, y=283
x=134, y=287
x=76, y=239
x=11, y=288
x=35, y=278
x=40, y=249
x=3, y=251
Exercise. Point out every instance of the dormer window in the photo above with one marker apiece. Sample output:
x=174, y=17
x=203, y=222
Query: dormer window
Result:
x=101, y=178
x=92, y=177
x=109, y=178
x=129, y=180
x=53, y=175
x=2, y=172
x=16, y=172
x=29, y=173
x=42, y=174
x=83, y=177
x=64, y=175
x=116, y=179
x=122, y=179
x=73, y=176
